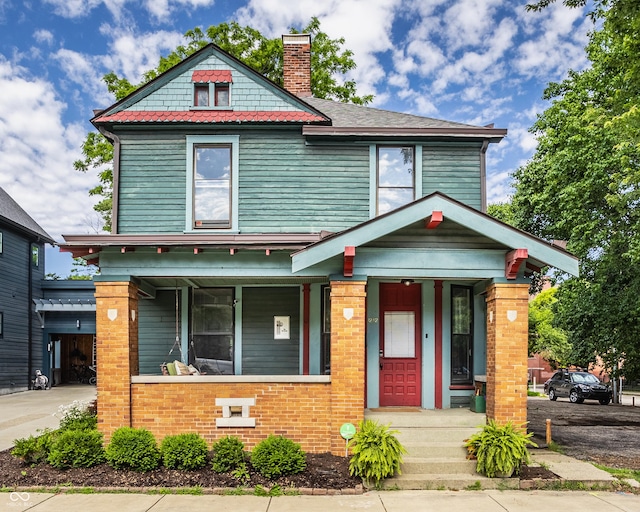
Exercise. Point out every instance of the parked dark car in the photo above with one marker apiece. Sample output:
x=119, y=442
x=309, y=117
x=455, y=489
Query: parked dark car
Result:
x=578, y=387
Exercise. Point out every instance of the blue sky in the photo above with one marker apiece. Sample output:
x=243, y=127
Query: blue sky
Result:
x=471, y=61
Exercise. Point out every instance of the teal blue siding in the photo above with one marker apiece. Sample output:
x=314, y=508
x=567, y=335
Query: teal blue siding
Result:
x=261, y=353
x=453, y=170
x=246, y=93
x=157, y=332
x=286, y=186
x=152, y=184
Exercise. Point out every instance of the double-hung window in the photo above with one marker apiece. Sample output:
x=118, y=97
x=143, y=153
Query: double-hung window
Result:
x=212, y=88
x=396, y=181
x=212, y=163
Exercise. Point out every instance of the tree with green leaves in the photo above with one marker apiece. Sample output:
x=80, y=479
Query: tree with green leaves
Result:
x=583, y=185
x=329, y=64
x=545, y=337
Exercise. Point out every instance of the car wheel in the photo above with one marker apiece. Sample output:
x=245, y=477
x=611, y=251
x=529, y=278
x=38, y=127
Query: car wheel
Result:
x=604, y=401
x=573, y=397
x=552, y=394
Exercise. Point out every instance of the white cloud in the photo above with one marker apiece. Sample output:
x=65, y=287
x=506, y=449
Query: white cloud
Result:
x=43, y=36
x=37, y=152
x=73, y=8
x=133, y=54
x=559, y=36
x=364, y=24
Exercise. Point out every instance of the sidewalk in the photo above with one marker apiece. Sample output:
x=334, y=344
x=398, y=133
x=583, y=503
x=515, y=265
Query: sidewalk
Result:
x=391, y=501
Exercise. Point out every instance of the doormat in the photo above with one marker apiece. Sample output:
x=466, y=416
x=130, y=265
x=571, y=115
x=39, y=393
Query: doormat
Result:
x=396, y=409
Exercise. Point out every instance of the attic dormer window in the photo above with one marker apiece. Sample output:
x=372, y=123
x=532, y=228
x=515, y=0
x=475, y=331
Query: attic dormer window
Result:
x=211, y=88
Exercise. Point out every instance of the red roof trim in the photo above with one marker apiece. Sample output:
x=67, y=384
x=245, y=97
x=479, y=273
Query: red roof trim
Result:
x=212, y=75
x=209, y=116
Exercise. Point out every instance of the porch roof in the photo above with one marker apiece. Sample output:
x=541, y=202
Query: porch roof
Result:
x=537, y=252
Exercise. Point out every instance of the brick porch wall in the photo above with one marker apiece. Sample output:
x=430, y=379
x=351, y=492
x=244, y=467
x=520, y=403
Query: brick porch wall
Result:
x=507, y=351
x=300, y=412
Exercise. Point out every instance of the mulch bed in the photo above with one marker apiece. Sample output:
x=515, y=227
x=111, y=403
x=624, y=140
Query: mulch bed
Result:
x=324, y=472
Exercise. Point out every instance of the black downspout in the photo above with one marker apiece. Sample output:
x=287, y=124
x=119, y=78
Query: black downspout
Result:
x=30, y=314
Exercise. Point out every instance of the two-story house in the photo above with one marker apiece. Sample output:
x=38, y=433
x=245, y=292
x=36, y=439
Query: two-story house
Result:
x=21, y=273
x=310, y=258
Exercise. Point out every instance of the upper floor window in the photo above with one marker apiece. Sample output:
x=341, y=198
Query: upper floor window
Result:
x=1, y=242
x=212, y=185
x=204, y=92
x=395, y=177
x=212, y=189
x=212, y=88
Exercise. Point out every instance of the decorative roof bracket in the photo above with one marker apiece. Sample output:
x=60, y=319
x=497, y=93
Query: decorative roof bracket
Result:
x=349, y=255
x=513, y=260
x=433, y=220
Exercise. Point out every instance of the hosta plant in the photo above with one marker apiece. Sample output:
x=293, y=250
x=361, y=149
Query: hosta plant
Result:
x=376, y=453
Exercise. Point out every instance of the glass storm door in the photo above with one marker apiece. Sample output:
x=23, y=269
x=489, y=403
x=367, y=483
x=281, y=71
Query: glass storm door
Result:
x=400, y=355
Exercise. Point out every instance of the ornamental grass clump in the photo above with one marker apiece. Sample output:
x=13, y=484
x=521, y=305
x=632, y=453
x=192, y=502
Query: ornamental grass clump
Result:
x=500, y=449
x=184, y=451
x=377, y=453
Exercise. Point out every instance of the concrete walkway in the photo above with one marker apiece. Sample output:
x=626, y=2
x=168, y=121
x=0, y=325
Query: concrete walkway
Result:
x=399, y=501
x=25, y=413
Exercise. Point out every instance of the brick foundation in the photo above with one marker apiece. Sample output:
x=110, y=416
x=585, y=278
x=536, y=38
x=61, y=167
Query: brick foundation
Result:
x=507, y=351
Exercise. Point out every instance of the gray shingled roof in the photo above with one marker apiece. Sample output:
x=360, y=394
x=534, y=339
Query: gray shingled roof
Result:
x=348, y=115
x=11, y=213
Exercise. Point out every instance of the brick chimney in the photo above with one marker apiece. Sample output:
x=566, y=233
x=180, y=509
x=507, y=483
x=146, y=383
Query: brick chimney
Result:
x=297, y=64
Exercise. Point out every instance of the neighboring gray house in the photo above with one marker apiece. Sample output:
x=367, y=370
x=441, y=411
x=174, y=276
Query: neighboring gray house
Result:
x=21, y=274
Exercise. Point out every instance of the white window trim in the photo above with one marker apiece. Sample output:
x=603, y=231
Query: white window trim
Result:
x=192, y=140
x=373, y=174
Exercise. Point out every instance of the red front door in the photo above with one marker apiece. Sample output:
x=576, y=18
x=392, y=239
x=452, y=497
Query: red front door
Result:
x=400, y=355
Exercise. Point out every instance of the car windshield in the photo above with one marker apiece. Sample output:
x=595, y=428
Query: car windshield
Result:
x=584, y=378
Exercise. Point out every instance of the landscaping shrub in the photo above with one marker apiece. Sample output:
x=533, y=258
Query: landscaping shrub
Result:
x=276, y=456
x=228, y=454
x=133, y=448
x=77, y=449
x=184, y=451
x=77, y=416
x=377, y=453
x=34, y=449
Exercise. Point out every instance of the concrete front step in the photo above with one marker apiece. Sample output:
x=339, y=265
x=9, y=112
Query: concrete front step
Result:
x=436, y=457
x=433, y=466
x=452, y=449
x=445, y=481
x=434, y=434
x=426, y=418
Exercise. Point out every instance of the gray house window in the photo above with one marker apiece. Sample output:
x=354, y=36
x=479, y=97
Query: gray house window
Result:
x=35, y=255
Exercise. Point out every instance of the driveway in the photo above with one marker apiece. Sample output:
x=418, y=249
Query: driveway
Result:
x=606, y=434
x=23, y=414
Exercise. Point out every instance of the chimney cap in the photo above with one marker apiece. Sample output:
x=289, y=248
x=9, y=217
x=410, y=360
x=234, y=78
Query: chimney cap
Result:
x=296, y=39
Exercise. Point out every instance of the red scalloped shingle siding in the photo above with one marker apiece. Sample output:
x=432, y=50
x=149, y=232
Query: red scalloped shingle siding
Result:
x=209, y=116
x=212, y=75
